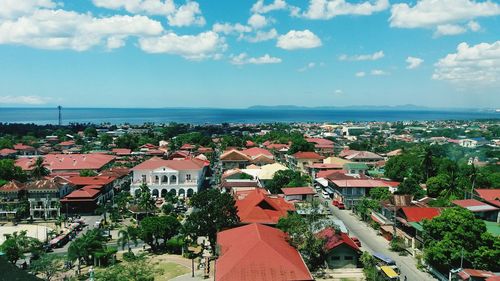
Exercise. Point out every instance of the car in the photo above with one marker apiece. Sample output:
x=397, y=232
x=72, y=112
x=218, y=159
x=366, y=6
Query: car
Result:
x=356, y=241
x=335, y=203
x=341, y=206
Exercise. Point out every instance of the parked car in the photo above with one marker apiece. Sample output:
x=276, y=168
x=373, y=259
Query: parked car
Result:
x=341, y=206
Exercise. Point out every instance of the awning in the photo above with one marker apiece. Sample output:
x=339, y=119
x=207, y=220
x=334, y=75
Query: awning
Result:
x=377, y=220
x=389, y=271
x=329, y=190
x=417, y=226
x=322, y=182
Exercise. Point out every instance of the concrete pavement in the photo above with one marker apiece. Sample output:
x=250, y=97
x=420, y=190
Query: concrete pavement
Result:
x=372, y=242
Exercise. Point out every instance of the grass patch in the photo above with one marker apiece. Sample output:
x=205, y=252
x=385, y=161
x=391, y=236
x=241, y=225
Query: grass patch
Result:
x=170, y=270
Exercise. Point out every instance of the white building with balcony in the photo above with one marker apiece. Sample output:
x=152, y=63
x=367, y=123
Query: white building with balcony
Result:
x=182, y=177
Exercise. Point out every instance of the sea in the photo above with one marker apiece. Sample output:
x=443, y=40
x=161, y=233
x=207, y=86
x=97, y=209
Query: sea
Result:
x=217, y=116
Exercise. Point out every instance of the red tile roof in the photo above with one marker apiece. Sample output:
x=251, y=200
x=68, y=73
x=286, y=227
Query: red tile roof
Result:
x=7, y=152
x=12, y=186
x=298, y=190
x=321, y=142
x=20, y=146
x=489, y=194
x=249, y=143
x=417, y=214
x=467, y=273
x=55, y=162
x=97, y=180
x=307, y=155
x=258, y=253
x=256, y=151
x=277, y=146
x=179, y=165
x=86, y=192
x=67, y=143
x=121, y=151
x=361, y=183
x=260, y=207
x=333, y=240
x=187, y=146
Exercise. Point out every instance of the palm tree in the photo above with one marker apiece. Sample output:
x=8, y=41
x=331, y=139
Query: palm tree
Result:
x=39, y=171
x=127, y=235
x=427, y=161
x=145, y=200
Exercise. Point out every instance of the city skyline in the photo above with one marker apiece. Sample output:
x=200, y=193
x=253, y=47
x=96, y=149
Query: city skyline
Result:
x=236, y=54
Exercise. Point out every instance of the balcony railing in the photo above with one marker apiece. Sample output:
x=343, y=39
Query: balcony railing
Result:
x=139, y=182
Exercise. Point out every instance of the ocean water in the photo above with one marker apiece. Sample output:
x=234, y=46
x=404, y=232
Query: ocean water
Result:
x=217, y=116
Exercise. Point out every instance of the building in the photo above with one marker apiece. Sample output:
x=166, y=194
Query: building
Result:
x=342, y=251
x=298, y=193
x=257, y=252
x=322, y=146
x=44, y=197
x=258, y=206
x=234, y=159
x=361, y=156
x=182, y=177
x=301, y=161
x=11, y=196
x=24, y=150
x=64, y=163
x=480, y=209
x=409, y=223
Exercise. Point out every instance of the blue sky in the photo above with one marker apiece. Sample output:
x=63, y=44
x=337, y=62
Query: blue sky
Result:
x=226, y=53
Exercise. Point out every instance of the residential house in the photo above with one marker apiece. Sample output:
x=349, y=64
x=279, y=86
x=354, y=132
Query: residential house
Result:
x=259, y=156
x=322, y=146
x=468, y=274
x=8, y=153
x=259, y=253
x=490, y=196
x=234, y=159
x=301, y=161
x=24, y=150
x=409, y=224
x=362, y=156
x=298, y=193
x=354, y=168
x=11, y=195
x=480, y=209
x=342, y=251
x=258, y=206
x=178, y=177
x=264, y=173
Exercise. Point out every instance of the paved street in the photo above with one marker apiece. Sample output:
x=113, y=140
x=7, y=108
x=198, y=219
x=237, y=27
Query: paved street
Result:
x=372, y=242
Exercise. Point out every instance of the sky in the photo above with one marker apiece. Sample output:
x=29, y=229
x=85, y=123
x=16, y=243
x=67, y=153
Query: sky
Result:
x=235, y=54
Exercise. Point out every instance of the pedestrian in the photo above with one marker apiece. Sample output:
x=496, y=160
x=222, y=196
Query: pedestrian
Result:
x=406, y=279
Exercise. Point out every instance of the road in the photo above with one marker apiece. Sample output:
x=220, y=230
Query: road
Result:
x=372, y=242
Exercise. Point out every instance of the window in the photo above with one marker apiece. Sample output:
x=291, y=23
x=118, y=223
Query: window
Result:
x=335, y=258
x=348, y=258
x=143, y=178
x=188, y=177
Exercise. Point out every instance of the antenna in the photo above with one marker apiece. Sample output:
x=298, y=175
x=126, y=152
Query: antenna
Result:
x=59, y=108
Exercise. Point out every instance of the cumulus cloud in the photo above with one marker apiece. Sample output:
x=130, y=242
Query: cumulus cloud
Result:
x=26, y=100
x=261, y=8
x=477, y=64
x=183, y=15
x=227, y=28
x=307, y=67
x=257, y=21
x=60, y=29
x=261, y=36
x=431, y=13
x=243, y=58
x=378, y=72
x=413, y=62
x=194, y=47
x=449, y=29
x=375, y=56
x=327, y=9
x=10, y=9
x=360, y=74
x=297, y=39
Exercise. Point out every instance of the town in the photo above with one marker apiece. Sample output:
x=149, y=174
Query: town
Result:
x=225, y=202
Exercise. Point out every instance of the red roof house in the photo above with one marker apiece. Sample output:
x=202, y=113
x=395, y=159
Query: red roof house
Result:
x=257, y=252
x=257, y=206
x=341, y=250
x=307, y=155
x=417, y=214
x=68, y=162
x=491, y=196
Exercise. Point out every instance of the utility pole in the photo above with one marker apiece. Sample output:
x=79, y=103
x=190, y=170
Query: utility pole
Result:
x=59, y=108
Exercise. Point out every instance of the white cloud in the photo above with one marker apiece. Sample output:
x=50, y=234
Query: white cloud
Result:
x=378, y=72
x=257, y=21
x=360, y=74
x=260, y=7
x=449, y=29
x=10, y=9
x=60, y=29
x=473, y=26
x=478, y=64
x=195, y=47
x=327, y=9
x=187, y=15
x=261, y=36
x=413, y=62
x=296, y=39
x=29, y=100
x=183, y=15
x=307, y=67
x=243, y=58
x=227, y=28
x=338, y=92
x=374, y=56
x=430, y=13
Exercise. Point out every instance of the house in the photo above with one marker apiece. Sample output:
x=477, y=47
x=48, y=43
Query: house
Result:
x=302, y=160
x=342, y=251
x=234, y=159
x=480, y=209
x=44, y=197
x=11, y=196
x=8, y=153
x=25, y=150
x=258, y=206
x=490, y=196
x=236, y=185
x=409, y=223
x=259, y=156
x=104, y=184
x=298, y=193
x=354, y=168
x=322, y=146
x=264, y=173
x=121, y=152
x=468, y=274
x=182, y=177
x=83, y=201
x=63, y=163
x=257, y=252
x=364, y=157
x=65, y=145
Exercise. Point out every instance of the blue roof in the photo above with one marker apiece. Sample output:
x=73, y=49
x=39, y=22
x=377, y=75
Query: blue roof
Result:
x=384, y=258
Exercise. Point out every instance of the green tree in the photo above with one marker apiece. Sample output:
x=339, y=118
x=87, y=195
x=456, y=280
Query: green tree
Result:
x=9, y=171
x=287, y=178
x=146, y=201
x=457, y=232
x=105, y=140
x=88, y=173
x=139, y=270
x=213, y=212
x=128, y=235
x=380, y=193
x=410, y=186
x=87, y=246
x=18, y=243
x=155, y=228
x=48, y=266
x=90, y=132
x=437, y=185
x=39, y=170
x=365, y=206
x=300, y=144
